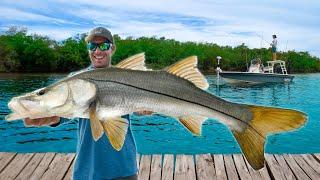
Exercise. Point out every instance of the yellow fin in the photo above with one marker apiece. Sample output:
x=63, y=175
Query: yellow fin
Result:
x=266, y=120
x=135, y=62
x=187, y=69
x=96, y=126
x=193, y=123
x=116, y=130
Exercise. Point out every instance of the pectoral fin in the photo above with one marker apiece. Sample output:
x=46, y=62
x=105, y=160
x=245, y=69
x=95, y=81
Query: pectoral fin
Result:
x=96, y=126
x=193, y=123
x=116, y=130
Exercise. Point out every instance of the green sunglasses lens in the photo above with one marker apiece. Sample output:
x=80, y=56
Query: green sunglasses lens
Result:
x=103, y=46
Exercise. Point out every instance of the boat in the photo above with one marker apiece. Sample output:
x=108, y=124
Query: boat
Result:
x=274, y=72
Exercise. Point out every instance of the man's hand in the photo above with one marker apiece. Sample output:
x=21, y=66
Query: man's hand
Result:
x=47, y=121
x=145, y=112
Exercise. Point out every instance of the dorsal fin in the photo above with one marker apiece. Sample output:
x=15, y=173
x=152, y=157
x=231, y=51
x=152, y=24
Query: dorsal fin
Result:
x=135, y=62
x=187, y=69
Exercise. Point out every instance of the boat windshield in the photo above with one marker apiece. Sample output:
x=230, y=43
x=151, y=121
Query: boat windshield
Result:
x=256, y=66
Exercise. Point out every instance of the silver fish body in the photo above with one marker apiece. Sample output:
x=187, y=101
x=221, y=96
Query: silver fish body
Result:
x=124, y=91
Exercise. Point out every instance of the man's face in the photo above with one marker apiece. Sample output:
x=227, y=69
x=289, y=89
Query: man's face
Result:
x=100, y=59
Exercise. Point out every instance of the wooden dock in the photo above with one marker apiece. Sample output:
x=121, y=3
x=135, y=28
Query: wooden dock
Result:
x=53, y=166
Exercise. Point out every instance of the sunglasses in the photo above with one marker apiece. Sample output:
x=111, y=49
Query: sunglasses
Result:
x=102, y=46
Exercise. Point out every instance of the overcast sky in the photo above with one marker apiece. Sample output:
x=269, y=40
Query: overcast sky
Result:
x=229, y=22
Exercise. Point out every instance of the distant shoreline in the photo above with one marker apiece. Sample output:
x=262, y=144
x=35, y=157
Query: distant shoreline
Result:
x=20, y=74
x=21, y=52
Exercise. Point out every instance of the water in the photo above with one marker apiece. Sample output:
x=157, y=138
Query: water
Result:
x=162, y=134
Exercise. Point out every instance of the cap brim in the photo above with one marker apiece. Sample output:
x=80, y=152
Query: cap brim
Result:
x=90, y=37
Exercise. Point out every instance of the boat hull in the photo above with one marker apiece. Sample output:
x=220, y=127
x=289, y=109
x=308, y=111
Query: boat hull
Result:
x=246, y=77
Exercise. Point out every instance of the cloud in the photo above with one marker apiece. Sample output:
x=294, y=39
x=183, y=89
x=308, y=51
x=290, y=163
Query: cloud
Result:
x=11, y=14
x=226, y=23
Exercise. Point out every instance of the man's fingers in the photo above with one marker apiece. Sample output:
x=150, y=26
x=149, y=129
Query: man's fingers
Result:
x=41, y=121
x=30, y=122
x=143, y=112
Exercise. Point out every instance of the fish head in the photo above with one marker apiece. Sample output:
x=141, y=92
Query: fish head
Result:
x=67, y=98
x=43, y=102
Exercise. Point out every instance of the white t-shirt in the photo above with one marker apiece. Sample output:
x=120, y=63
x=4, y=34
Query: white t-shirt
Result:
x=274, y=42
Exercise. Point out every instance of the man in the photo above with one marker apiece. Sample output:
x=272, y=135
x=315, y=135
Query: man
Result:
x=274, y=47
x=98, y=160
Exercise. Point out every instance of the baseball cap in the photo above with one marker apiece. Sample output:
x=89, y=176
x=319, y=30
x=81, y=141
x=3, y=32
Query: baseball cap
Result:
x=99, y=31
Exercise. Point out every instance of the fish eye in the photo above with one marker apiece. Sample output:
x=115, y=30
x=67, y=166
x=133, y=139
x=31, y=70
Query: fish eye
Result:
x=41, y=92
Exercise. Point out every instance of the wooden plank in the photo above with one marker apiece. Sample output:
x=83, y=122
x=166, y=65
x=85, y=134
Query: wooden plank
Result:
x=255, y=174
x=144, y=170
x=284, y=167
x=68, y=175
x=31, y=166
x=298, y=172
x=312, y=162
x=5, y=159
x=43, y=166
x=16, y=165
x=317, y=156
x=274, y=167
x=230, y=167
x=59, y=166
x=184, y=168
x=305, y=167
x=205, y=167
x=168, y=167
x=156, y=166
x=241, y=167
x=264, y=174
x=219, y=166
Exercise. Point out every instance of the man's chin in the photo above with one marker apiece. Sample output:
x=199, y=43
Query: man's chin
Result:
x=99, y=64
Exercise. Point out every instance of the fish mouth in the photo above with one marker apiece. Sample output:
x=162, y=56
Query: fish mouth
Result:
x=14, y=116
x=17, y=108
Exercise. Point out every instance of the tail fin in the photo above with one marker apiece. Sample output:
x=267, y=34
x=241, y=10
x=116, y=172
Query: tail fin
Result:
x=266, y=120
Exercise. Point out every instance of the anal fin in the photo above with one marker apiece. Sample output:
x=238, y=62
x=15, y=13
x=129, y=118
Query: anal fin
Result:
x=193, y=123
x=116, y=130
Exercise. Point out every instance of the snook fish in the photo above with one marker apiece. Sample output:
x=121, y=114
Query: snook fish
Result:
x=104, y=95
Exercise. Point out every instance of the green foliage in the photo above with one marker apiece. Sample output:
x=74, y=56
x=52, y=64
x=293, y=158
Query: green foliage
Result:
x=27, y=53
x=8, y=56
x=20, y=52
x=72, y=54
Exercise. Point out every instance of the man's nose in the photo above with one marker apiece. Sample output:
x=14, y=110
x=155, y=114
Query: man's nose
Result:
x=97, y=51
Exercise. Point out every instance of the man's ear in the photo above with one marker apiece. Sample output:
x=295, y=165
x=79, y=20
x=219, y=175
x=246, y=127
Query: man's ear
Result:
x=113, y=48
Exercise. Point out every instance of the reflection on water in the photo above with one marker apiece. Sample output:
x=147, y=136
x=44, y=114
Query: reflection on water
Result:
x=162, y=134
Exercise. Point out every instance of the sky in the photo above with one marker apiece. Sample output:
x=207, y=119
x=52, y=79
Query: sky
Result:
x=228, y=22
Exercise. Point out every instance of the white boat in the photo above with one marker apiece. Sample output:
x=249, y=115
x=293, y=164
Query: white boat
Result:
x=274, y=72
